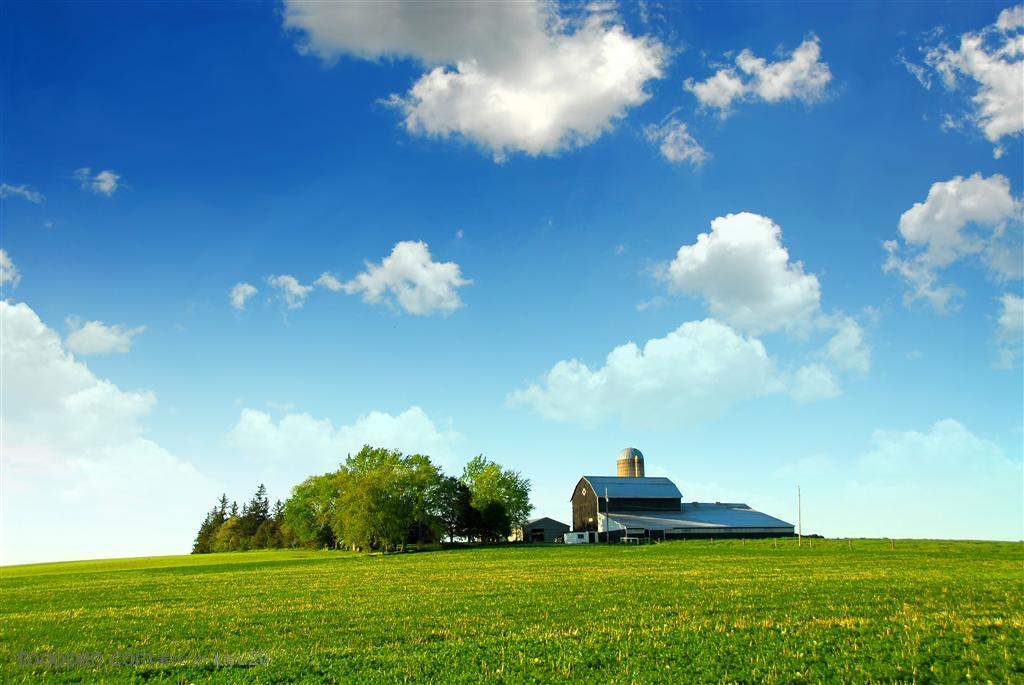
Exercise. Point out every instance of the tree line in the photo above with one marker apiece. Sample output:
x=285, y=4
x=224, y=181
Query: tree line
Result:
x=378, y=499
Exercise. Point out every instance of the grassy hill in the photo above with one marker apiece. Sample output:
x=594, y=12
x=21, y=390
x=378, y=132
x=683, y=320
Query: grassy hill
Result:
x=681, y=611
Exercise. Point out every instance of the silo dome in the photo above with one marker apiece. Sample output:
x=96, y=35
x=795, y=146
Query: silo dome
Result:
x=630, y=463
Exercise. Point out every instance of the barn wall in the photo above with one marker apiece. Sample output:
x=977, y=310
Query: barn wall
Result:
x=584, y=507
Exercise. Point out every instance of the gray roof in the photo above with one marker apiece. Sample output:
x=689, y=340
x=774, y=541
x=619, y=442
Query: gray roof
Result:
x=545, y=519
x=702, y=515
x=633, y=487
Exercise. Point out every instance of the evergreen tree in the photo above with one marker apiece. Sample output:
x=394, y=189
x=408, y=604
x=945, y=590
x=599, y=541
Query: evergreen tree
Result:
x=206, y=532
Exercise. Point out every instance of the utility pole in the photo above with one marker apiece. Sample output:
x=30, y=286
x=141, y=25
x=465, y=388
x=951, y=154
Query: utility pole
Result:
x=799, y=521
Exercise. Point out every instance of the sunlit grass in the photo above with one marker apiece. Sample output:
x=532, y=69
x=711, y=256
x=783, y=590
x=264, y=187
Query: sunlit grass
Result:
x=681, y=611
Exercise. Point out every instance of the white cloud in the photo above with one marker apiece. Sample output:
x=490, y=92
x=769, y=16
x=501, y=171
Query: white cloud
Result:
x=292, y=293
x=105, y=182
x=695, y=372
x=412, y=279
x=511, y=77
x=1010, y=330
x=300, y=444
x=847, y=349
x=9, y=273
x=942, y=482
x=676, y=143
x=746, y=277
x=77, y=443
x=96, y=337
x=240, y=294
x=744, y=273
x=21, y=190
x=330, y=282
x=814, y=382
x=1011, y=18
x=954, y=475
x=960, y=218
x=993, y=60
x=801, y=76
x=919, y=72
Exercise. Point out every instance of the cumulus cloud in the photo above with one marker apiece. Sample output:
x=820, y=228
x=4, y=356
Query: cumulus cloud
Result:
x=299, y=443
x=814, y=382
x=848, y=349
x=945, y=464
x=991, y=61
x=941, y=482
x=410, y=278
x=96, y=337
x=676, y=143
x=330, y=282
x=77, y=442
x=510, y=77
x=104, y=182
x=801, y=76
x=9, y=274
x=291, y=292
x=694, y=373
x=23, y=191
x=960, y=218
x=240, y=294
x=745, y=275
x=1010, y=330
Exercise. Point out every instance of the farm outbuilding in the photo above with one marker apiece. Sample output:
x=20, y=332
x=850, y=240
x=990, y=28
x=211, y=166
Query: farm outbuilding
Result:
x=633, y=506
x=542, y=529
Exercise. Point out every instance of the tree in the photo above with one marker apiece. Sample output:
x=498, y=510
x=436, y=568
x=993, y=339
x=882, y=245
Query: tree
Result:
x=420, y=481
x=385, y=499
x=228, y=537
x=453, y=508
x=309, y=511
x=490, y=483
x=266, y=536
x=495, y=525
x=255, y=512
x=207, y=530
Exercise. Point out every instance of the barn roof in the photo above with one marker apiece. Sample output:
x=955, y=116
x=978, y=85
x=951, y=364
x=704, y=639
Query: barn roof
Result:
x=633, y=487
x=547, y=520
x=702, y=515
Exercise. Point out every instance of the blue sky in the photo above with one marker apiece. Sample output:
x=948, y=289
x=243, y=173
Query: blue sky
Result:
x=156, y=155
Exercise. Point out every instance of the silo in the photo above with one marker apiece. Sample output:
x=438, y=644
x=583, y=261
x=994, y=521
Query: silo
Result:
x=630, y=463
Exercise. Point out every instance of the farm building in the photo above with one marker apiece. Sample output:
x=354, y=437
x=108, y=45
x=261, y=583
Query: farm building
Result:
x=632, y=505
x=542, y=529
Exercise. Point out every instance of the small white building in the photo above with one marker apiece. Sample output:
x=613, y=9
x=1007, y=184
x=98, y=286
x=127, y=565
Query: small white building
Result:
x=580, y=537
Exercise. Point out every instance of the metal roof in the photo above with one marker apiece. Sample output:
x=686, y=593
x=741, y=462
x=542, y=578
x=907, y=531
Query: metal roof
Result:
x=701, y=515
x=633, y=487
x=630, y=452
x=535, y=521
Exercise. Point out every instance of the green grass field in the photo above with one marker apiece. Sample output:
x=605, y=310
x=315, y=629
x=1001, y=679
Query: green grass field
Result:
x=692, y=611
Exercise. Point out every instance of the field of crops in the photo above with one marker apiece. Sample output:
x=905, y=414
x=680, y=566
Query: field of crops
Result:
x=681, y=611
